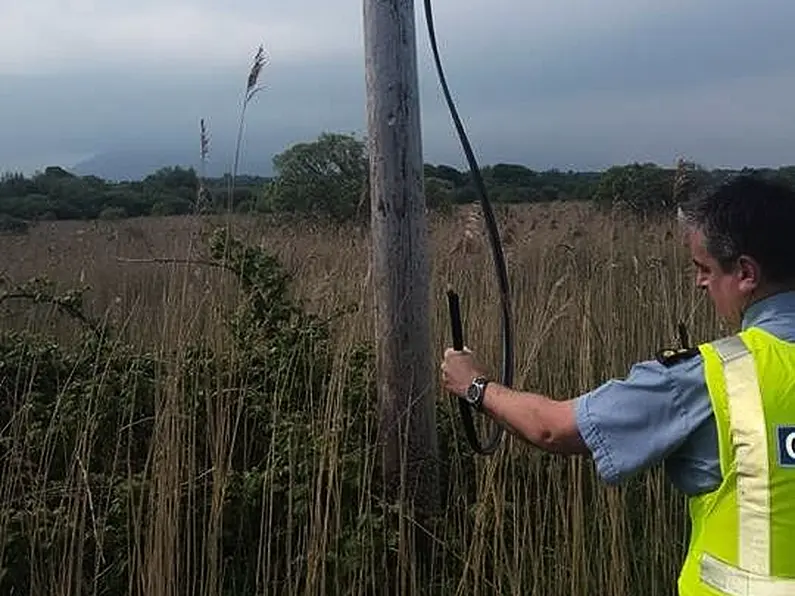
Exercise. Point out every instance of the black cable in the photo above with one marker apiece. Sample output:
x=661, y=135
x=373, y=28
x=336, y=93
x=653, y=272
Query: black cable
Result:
x=497, y=253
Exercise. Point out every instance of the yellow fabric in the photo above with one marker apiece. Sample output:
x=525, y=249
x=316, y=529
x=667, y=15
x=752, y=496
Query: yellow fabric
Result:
x=743, y=533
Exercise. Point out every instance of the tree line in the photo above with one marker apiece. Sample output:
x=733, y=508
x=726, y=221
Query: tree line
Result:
x=329, y=177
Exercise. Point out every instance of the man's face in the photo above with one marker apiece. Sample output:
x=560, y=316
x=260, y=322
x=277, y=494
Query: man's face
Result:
x=730, y=291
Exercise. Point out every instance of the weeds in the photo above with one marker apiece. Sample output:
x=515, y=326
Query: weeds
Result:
x=217, y=437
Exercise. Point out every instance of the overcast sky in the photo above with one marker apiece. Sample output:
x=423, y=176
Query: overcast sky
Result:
x=566, y=83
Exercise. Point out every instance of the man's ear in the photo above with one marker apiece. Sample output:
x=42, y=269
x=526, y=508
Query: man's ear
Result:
x=749, y=273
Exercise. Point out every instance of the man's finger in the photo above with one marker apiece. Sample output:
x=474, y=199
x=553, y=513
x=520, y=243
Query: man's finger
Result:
x=450, y=351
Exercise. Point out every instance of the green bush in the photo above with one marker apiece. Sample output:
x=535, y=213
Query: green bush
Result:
x=171, y=205
x=111, y=213
x=12, y=225
x=92, y=417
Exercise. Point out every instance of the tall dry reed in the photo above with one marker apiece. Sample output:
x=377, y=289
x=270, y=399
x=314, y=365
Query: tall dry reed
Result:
x=592, y=294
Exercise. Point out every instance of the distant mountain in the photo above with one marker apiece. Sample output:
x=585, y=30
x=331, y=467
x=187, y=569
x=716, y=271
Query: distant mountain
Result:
x=138, y=164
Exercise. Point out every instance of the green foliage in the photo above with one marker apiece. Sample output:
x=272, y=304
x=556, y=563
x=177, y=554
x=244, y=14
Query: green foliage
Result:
x=12, y=225
x=503, y=174
x=439, y=194
x=171, y=191
x=111, y=213
x=267, y=320
x=90, y=413
x=58, y=194
x=447, y=173
x=510, y=183
x=183, y=182
x=40, y=290
x=61, y=408
x=14, y=184
x=327, y=177
x=171, y=205
x=640, y=188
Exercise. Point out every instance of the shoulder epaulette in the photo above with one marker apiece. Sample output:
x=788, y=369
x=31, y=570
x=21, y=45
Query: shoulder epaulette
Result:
x=670, y=356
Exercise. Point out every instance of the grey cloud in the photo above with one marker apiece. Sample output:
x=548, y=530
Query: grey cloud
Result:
x=712, y=81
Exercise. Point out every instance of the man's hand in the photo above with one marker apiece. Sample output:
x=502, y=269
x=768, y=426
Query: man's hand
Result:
x=545, y=422
x=459, y=369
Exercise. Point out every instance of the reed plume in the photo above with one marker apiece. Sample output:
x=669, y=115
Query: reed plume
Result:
x=252, y=89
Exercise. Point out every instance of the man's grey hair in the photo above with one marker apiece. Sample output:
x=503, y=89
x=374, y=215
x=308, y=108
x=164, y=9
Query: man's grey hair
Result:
x=694, y=216
x=748, y=215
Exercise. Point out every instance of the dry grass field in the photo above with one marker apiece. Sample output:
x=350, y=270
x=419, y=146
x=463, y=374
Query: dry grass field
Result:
x=592, y=293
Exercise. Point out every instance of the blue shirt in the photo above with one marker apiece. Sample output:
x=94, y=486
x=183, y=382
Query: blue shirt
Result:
x=663, y=415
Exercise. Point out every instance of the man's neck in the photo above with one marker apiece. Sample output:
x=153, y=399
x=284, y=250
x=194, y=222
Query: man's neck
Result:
x=769, y=290
x=766, y=291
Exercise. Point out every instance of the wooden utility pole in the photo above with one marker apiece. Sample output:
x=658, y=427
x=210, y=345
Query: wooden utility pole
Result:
x=406, y=391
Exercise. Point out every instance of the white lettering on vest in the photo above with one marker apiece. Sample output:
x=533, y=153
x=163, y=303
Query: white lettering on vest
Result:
x=789, y=444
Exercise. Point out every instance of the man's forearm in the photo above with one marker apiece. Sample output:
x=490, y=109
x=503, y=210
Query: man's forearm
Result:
x=547, y=423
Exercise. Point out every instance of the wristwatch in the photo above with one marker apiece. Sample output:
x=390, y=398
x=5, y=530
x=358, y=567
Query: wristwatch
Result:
x=476, y=391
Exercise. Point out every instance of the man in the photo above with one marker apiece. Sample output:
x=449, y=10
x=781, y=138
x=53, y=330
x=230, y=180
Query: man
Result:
x=721, y=417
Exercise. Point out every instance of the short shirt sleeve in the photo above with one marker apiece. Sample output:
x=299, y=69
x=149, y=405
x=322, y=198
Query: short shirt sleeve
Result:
x=632, y=424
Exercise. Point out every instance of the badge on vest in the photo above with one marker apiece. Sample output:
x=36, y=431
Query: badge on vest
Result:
x=786, y=446
x=671, y=356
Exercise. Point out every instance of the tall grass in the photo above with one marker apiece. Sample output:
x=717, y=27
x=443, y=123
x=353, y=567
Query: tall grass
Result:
x=206, y=505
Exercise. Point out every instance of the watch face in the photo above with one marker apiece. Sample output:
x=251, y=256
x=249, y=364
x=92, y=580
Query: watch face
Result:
x=472, y=393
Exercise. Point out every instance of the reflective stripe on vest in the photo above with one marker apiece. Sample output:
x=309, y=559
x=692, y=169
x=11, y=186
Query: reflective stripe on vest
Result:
x=736, y=582
x=751, y=577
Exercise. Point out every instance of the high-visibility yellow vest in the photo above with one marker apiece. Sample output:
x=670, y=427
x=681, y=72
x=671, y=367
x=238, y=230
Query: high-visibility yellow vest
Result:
x=743, y=533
